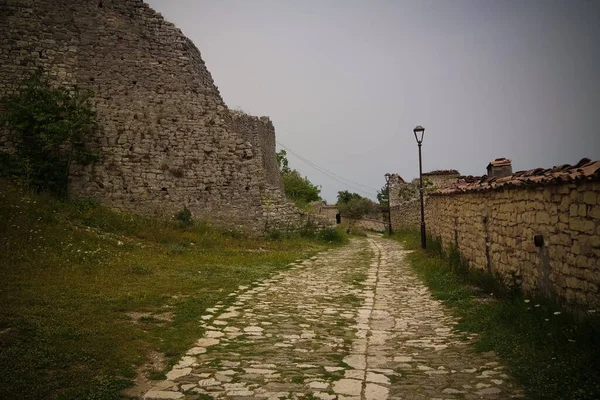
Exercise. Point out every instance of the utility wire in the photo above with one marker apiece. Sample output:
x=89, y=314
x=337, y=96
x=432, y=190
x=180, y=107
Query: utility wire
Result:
x=330, y=174
x=333, y=177
x=323, y=169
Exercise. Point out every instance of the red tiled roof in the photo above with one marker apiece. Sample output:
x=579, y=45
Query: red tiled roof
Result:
x=500, y=162
x=583, y=170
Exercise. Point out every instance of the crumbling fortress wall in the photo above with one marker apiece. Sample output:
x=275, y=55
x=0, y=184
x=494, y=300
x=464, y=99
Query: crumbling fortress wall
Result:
x=260, y=132
x=541, y=227
x=277, y=212
x=167, y=139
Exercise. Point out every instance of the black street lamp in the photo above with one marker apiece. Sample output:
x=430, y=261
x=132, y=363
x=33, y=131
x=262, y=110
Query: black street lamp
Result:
x=419, y=133
x=387, y=188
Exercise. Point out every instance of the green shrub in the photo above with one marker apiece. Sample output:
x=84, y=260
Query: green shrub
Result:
x=297, y=188
x=49, y=127
x=184, y=217
x=332, y=235
x=234, y=232
x=309, y=230
x=274, y=234
x=139, y=269
x=358, y=232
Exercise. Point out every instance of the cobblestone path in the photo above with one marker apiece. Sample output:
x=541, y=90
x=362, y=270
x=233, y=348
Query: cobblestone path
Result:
x=351, y=323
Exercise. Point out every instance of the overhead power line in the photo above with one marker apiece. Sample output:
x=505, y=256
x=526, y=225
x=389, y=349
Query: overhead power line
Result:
x=332, y=175
x=323, y=169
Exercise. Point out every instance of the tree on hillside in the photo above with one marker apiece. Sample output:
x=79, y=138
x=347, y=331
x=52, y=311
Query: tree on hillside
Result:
x=282, y=161
x=297, y=188
x=355, y=206
x=382, y=196
x=345, y=196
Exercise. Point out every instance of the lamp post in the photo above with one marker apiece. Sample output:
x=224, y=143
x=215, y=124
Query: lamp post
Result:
x=419, y=132
x=387, y=188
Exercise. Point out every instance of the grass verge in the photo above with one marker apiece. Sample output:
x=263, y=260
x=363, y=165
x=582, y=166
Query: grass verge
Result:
x=554, y=354
x=88, y=295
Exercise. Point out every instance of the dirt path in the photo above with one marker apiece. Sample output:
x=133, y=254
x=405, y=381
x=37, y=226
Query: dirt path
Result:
x=351, y=323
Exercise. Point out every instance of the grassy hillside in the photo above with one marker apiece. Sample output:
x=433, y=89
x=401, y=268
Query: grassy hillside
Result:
x=89, y=295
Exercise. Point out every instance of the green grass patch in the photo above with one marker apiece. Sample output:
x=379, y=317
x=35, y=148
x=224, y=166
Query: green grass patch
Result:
x=351, y=299
x=553, y=353
x=332, y=235
x=72, y=273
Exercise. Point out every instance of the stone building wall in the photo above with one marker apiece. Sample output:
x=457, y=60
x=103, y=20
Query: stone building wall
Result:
x=396, y=184
x=167, y=139
x=328, y=212
x=493, y=221
x=442, y=178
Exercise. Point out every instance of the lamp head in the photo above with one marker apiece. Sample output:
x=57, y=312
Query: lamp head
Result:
x=419, y=133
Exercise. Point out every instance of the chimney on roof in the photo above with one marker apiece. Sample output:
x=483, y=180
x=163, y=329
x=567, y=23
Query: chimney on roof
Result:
x=499, y=168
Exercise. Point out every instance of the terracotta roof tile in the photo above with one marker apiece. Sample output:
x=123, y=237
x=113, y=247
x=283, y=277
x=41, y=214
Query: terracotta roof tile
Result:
x=583, y=170
x=500, y=162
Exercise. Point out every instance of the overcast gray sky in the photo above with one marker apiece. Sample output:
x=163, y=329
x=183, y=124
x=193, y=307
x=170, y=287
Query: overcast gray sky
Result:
x=346, y=81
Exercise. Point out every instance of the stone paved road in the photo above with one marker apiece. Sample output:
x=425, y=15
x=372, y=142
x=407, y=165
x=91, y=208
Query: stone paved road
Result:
x=351, y=323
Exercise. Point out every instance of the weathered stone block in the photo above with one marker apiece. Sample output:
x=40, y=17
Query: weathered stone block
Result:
x=574, y=210
x=542, y=217
x=582, y=225
x=589, y=197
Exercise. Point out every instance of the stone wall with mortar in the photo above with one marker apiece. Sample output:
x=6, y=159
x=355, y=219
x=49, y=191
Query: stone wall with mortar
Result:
x=404, y=203
x=327, y=212
x=277, y=211
x=494, y=231
x=260, y=132
x=494, y=227
x=442, y=179
x=396, y=185
x=367, y=224
x=167, y=139
x=407, y=214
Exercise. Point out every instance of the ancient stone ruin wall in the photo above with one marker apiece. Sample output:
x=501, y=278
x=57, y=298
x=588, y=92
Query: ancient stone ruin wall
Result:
x=404, y=203
x=442, y=178
x=278, y=213
x=328, y=212
x=493, y=223
x=260, y=132
x=167, y=139
x=396, y=184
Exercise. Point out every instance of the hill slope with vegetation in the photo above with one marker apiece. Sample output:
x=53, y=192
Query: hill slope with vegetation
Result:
x=90, y=296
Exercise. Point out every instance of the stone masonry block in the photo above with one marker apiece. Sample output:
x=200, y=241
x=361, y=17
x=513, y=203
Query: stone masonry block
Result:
x=574, y=210
x=582, y=225
x=589, y=198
